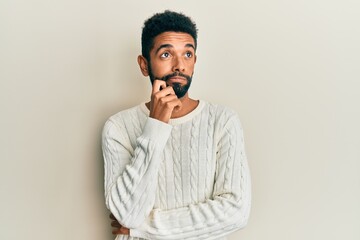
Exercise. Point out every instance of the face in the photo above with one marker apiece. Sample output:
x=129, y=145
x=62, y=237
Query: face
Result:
x=172, y=59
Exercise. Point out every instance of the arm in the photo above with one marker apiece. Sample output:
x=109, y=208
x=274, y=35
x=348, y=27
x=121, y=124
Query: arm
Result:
x=226, y=212
x=130, y=176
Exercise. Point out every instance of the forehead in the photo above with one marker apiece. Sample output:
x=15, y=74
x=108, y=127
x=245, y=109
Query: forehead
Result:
x=173, y=38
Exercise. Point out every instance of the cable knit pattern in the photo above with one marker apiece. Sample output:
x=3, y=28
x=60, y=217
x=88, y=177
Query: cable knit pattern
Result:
x=229, y=162
x=155, y=172
x=161, y=185
x=177, y=169
x=209, y=148
x=193, y=160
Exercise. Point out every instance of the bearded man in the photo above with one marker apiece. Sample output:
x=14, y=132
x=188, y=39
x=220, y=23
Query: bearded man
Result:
x=175, y=167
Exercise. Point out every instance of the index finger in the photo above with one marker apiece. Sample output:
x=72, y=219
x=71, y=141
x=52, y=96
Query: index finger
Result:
x=157, y=84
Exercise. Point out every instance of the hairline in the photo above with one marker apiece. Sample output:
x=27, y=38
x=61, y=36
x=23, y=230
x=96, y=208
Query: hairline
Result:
x=153, y=41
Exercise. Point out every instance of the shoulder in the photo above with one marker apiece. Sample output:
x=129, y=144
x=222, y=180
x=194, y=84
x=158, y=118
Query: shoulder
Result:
x=224, y=119
x=126, y=113
x=219, y=112
x=130, y=114
x=121, y=120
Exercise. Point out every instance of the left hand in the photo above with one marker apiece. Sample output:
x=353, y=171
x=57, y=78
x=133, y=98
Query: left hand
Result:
x=118, y=228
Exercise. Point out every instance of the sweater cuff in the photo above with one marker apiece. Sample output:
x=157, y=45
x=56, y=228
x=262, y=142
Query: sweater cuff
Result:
x=157, y=131
x=138, y=234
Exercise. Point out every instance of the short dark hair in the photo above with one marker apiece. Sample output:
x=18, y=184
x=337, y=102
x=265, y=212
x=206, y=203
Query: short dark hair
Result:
x=167, y=21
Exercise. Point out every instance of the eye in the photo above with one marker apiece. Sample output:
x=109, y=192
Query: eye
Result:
x=188, y=54
x=165, y=55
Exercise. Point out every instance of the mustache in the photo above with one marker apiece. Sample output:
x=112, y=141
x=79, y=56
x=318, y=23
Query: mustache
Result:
x=175, y=74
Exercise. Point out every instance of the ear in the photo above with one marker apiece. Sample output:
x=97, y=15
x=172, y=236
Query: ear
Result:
x=195, y=58
x=143, y=64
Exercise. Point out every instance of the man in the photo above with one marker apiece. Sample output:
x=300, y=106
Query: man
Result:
x=175, y=167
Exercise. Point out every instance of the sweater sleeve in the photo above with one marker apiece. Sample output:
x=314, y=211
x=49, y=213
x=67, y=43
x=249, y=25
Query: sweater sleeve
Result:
x=131, y=175
x=228, y=209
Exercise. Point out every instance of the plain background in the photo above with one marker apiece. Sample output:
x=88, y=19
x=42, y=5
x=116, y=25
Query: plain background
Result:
x=289, y=68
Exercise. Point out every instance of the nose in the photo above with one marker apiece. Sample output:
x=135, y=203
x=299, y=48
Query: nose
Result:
x=178, y=65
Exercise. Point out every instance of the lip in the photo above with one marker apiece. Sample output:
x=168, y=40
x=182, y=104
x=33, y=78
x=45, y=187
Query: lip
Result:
x=177, y=79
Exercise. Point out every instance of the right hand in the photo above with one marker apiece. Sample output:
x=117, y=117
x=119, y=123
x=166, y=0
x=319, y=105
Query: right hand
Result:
x=163, y=102
x=119, y=229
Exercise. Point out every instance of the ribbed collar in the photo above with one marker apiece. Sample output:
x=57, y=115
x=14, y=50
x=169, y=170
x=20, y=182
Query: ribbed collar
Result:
x=180, y=120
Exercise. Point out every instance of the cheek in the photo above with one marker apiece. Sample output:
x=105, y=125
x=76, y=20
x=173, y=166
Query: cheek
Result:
x=191, y=66
x=162, y=67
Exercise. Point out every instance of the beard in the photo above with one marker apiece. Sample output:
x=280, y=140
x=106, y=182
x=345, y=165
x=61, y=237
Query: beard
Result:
x=180, y=90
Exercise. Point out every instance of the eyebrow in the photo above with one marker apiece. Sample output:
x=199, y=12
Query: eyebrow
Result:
x=171, y=46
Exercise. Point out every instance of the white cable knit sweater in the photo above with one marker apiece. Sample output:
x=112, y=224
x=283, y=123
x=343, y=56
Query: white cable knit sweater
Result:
x=188, y=179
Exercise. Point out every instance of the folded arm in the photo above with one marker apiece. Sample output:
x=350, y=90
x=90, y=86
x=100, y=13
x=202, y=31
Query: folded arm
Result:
x=227, y=211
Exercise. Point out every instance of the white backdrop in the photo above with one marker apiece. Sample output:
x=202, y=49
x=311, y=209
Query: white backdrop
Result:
x=289, y=68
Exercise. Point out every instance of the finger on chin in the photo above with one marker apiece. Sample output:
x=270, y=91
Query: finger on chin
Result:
x=157, y=84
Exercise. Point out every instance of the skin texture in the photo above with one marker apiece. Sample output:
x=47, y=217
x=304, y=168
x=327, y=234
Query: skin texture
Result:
x=173, y=52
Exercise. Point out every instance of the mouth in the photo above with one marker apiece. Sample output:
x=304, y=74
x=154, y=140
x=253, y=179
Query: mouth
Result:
x=176, y=79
